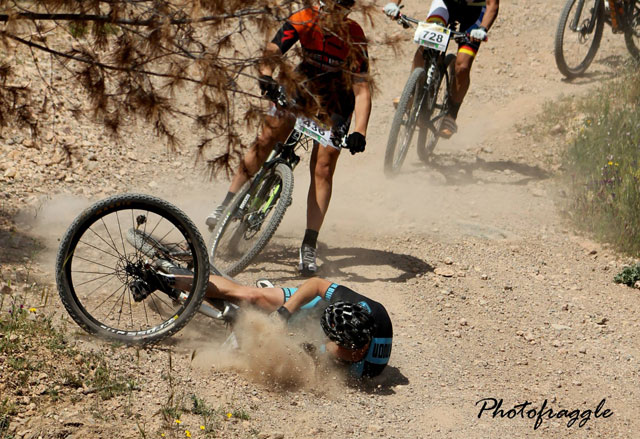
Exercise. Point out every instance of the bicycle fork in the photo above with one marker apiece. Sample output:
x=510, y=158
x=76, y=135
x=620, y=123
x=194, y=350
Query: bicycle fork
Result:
x=575, y=25
x=429, y=95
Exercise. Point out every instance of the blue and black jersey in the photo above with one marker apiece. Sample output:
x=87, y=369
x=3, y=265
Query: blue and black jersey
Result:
x=379, y=351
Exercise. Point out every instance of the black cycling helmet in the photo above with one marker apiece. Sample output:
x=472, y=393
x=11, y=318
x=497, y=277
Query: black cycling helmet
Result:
x=349, y=325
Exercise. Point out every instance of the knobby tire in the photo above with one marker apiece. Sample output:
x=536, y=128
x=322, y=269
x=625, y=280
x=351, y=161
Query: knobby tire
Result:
x=632, y=32
x=285, y=176
x=395, y=154
x=563, y=33
x=74, y=244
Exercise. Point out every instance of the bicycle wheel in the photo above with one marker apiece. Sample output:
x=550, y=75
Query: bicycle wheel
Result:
x=432, y=116
x=632, y=32
x=578, y=36
x=250, y=220
x=404, y=122
x=105, y=254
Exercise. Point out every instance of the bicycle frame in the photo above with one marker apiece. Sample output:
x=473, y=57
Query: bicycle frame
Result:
x=433, y=60
x=283, y=152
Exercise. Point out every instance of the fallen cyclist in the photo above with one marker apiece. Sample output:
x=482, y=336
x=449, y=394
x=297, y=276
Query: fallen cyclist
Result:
x=358, y=328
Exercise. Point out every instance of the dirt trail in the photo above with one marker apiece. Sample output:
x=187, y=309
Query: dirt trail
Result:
x=491, y=293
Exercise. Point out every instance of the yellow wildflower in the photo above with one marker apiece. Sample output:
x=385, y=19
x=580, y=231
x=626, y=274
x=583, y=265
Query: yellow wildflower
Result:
x=202, y=427
x=610, y=163
x=178, y=421
x=229, y=415
x=32, y=309
x=187, y=433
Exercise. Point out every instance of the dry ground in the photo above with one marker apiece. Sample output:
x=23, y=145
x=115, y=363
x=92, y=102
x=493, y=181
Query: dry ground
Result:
x=491, y=292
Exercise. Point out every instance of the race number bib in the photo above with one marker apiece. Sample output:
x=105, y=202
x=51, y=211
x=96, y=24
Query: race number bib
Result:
x=432, y=36
x=316, y=132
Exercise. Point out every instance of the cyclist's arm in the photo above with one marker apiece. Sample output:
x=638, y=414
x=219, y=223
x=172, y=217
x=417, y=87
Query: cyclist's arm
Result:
x=272, y=54
x=306, y=293
x=286, y=37
x=490, y=14
x=362, y=92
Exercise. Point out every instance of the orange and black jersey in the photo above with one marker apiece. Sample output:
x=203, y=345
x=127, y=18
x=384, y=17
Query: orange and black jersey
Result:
x=323, y=51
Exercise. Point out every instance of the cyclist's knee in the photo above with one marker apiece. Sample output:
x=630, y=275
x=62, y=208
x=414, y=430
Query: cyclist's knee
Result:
x=323, y=173
x=463, y=71
x=253, y=159
x=324, y=168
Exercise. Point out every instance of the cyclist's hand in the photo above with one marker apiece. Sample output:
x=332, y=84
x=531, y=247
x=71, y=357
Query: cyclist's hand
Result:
x=478, y=34
x=268, y=86
x=392, y=10
x=356, y=142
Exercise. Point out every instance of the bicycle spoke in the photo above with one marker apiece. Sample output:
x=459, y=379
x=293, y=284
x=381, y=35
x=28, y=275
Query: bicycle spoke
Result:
x=110, y=275
x=113, y=246
x=105, y=285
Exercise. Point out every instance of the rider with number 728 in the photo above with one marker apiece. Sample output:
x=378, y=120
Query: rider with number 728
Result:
x=475, y=18
x=334, y=74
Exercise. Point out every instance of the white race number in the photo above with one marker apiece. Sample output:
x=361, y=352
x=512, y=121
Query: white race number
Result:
x=432, y=36
x=313, y=130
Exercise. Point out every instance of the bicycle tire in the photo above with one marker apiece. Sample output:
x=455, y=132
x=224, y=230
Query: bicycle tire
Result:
x=96, y=227
x=632, y=32
x=217, y=255
x=429, y=131
x=393, y=159
x=572, y=69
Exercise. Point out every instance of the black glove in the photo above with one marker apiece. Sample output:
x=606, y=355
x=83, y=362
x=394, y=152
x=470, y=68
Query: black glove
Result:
x=356, y=142
x=268, y=86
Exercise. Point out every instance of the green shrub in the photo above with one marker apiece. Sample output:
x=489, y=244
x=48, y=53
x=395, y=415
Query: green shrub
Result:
x=603, y=164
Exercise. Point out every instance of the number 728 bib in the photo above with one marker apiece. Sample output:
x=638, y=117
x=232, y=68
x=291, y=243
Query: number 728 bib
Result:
x=432, y=36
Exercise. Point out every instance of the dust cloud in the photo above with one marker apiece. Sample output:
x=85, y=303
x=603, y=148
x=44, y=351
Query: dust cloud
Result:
x=270, y=354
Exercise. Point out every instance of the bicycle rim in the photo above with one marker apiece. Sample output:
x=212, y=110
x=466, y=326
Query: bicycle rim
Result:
x=108, y=251
x=577, y=41
x=404, y=122
x=632, y=33
x=250, y=221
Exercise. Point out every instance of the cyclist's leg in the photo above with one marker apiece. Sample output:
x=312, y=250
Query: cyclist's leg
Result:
x=267, y=299
x=275, y=129
x=469, y=18
x=462, y=78
x=322, y=167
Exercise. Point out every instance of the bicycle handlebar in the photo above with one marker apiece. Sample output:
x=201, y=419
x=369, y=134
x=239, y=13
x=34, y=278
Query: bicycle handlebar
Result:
x=339, y=135
x=407, y=22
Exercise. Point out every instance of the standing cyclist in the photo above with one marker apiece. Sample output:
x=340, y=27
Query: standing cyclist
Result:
x=334, y=72
x=475, y=18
